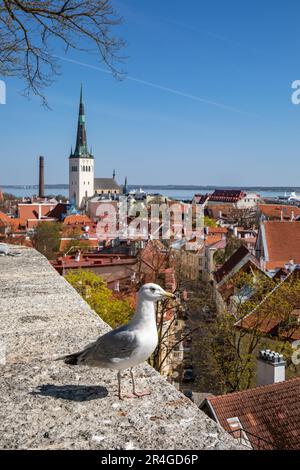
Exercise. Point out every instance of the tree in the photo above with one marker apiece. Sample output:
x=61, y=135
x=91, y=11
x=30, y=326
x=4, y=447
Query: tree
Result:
x=46, y=238
x=208, y=222
x=247, y=217
x=95, y=292
x=235, y=349
x=29, y=30
x=232, y=245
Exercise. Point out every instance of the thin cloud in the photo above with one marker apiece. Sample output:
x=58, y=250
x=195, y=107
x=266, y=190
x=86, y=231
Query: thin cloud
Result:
x=162, y=88
x=219, y=37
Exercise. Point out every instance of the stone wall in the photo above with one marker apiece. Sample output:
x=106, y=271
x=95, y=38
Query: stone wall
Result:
x=49, y=405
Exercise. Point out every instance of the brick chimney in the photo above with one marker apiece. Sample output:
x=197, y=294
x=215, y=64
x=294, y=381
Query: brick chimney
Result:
x=270, y=367
x=41, y=179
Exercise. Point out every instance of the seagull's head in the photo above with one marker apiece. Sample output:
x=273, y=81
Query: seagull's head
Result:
x=154, y=293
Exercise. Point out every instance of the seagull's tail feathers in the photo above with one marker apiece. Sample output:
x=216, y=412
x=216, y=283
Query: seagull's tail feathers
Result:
x=71, y=359
x=77, y=358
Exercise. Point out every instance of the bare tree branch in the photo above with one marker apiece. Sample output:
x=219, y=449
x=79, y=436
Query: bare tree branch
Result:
x=30, y=30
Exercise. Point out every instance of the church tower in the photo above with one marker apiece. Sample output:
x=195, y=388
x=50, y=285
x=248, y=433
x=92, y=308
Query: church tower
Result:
x=81, y=164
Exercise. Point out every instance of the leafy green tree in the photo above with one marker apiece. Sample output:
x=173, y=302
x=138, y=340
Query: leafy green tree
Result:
x=208, y=222
x=235, y=349
x=233, y=244
x=46, y=238
x=95, y=292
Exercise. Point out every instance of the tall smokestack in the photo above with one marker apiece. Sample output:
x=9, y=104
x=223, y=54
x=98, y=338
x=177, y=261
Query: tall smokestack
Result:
x=41, y=179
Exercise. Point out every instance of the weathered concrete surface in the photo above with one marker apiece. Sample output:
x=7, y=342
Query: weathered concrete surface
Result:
x=49, y=405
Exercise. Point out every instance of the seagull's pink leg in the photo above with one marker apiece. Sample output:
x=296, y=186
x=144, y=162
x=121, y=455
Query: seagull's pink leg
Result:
x=134, y=392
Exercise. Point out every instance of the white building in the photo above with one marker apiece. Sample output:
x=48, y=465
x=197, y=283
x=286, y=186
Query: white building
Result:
x=249, y=201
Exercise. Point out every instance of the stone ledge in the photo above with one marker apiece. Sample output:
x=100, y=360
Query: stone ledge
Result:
x=49, y=405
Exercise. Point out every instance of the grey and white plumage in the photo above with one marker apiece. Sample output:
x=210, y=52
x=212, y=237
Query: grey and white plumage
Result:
x=129, y=345
x=5, y=250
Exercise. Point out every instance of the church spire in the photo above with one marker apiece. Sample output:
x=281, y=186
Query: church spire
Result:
x=81, y=141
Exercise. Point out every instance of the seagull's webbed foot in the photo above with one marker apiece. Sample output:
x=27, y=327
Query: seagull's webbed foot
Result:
x=143, y=393
x=134, y=395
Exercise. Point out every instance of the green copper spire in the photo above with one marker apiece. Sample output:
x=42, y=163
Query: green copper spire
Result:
x=81, y=149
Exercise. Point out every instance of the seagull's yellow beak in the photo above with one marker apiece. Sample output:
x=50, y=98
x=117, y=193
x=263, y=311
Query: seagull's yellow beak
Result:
x=169, y=295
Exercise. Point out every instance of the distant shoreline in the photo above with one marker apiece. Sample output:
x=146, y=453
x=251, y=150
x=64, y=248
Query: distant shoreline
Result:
x=171, y=187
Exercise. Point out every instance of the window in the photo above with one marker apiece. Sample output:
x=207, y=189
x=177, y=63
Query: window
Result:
x=237, y=431
x=74, y=168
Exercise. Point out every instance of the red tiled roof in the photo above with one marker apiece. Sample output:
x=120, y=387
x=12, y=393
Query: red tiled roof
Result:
x=200, y=198
x=232, y=262
x=77, y=219
x=14, y=223
x=283, y=243
x=5, y=218
x=217, y=230
x=271, y=412
x=31, y=211
x=58, y=211
x=212, y=239
x=64, y=242
x=278, y=211
x=227, y=195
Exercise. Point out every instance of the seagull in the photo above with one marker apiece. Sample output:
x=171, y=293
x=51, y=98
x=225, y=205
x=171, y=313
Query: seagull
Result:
x=5, y=251
x=129, y=345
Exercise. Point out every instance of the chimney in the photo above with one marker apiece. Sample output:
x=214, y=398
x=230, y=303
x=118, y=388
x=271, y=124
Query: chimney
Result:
x=41, y=179
x=270, y=367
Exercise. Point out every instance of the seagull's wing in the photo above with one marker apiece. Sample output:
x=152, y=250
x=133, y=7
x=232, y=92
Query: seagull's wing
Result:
x=110, y=348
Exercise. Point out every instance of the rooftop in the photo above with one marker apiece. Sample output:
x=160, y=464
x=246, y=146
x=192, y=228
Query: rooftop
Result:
x=282, y=241
x=279, y=211
x=49, y=405
x=105, y=184
x=242, y=254
x=269, y=415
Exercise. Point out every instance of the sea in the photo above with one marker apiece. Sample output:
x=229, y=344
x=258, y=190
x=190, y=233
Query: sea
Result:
x=174, y=192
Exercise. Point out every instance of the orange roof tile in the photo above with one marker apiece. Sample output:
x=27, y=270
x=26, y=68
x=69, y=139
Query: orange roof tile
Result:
x=270, y=414
x=31, y=211
x=64, y=242
x=212, y=239
x=278, y=211
x=283, y=243
x=77, y=219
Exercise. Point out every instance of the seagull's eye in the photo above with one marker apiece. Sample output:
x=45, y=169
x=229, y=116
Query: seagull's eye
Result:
x=152, y=289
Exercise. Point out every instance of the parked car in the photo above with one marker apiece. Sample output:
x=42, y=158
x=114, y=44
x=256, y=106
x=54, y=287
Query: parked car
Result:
x=188, y=394
x=188, y=376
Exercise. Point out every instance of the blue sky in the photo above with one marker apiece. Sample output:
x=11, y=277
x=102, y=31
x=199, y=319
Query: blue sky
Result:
x=215, y=109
